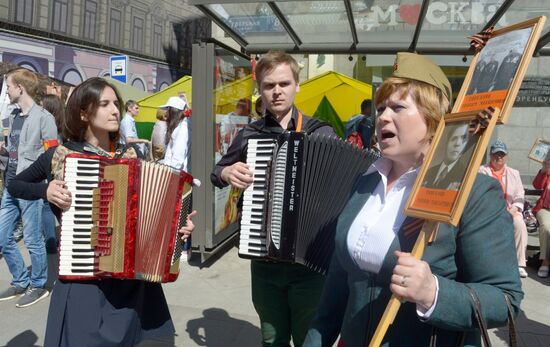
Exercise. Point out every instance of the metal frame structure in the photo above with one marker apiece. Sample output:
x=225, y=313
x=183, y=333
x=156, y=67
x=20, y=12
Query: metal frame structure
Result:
x=205, y=239
x=299, y=45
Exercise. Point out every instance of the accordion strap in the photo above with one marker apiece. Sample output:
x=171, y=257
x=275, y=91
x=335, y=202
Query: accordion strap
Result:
x=299, y=122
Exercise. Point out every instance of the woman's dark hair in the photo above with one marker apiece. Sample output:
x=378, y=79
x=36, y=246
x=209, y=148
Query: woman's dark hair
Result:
x=54, y=105
x=85, y=98
x=174, y=116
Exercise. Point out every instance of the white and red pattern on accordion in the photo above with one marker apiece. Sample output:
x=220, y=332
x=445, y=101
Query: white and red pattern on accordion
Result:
x=123, y=220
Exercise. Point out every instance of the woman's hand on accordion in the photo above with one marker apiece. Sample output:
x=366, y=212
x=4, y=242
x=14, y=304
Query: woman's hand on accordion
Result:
x=237, y=175
x=186, y=231
x=58, y=194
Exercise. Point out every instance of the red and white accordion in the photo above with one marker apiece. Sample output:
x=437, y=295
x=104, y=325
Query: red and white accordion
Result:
x=123, y=220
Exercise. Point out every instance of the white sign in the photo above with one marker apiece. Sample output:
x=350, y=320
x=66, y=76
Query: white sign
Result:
x=119, y=67
x=438, y=13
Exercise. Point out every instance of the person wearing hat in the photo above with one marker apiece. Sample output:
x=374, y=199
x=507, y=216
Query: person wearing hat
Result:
x=177, y=134
x=373, y=238
x=128, y=132
x=514, y=195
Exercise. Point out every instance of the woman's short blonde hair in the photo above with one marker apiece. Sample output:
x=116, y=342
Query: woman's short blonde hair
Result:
x=429, y=100
x=161, y=114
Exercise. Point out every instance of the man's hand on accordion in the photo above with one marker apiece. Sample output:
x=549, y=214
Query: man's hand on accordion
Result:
x=58, y=194
x=186, y=231
x=237, y=175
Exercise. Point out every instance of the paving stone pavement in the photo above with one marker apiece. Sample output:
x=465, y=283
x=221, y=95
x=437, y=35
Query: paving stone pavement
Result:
x=211, y=306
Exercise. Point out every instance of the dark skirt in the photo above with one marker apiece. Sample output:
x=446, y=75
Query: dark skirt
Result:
x=107, y=313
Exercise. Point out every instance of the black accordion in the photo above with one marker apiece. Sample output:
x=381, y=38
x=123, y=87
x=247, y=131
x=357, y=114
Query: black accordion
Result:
x=301, y=184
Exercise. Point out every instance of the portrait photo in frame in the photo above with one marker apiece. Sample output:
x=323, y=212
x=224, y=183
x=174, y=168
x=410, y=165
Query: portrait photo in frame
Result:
x=449, y=169
x=496, y=72
x=540, y=150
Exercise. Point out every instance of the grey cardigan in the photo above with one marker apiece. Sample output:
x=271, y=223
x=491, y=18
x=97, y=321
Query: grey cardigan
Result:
x=38, y=127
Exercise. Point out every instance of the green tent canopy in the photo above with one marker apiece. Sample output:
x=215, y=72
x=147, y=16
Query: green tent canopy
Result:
x=326, y=112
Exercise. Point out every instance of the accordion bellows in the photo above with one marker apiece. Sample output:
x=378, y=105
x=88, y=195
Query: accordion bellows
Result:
x=301, y=184
x=123, y=220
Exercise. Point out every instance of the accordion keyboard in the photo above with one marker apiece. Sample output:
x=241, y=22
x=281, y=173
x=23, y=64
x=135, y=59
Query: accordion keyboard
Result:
x=76, y=255
x=253, y=239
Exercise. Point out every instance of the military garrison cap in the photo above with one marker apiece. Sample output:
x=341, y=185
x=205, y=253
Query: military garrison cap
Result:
x=420, y=68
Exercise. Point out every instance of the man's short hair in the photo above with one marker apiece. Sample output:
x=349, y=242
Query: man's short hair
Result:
x=128, y=104
x=366, y=105
x=275, y=58
x=25, y=78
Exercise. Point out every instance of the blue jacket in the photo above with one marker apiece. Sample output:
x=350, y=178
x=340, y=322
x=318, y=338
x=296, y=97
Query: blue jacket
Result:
x=480, y=251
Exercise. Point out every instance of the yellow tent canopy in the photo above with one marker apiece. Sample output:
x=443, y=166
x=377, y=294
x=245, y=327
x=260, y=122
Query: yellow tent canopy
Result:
x=344, y=93
x=227, y=96
x=149, y=105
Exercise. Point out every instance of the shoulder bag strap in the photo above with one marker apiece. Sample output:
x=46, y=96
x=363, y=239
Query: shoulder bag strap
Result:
x=512, y=334
x=479, y=319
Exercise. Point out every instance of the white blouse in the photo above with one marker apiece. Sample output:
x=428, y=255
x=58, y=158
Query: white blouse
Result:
x=377, y=224
x=375, y=227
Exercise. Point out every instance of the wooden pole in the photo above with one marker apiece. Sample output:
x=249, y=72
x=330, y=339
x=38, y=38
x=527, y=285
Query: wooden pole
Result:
x=393, y=305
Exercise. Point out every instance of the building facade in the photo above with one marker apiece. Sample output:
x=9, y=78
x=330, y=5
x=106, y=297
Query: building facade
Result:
x=72, y=40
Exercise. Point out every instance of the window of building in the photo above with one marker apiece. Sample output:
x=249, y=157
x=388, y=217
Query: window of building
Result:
x=115, y=27
x=73, y=77
x=137, y=33
x=138, y=83
x=60, y=15
x=90, y=19
x=157, y=40
x=24, y=11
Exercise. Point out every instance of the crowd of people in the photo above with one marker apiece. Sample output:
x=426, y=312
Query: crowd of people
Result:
x=371, y=262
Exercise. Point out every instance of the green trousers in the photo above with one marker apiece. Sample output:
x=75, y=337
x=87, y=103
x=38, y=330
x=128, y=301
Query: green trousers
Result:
x=285, y=297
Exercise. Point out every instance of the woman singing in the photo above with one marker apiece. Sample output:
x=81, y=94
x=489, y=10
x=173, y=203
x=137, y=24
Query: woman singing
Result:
x=107, y=312
x=373, y=236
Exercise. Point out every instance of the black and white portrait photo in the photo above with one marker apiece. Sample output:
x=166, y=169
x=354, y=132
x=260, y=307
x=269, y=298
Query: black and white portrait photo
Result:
x=498, y=62
x=450, y=163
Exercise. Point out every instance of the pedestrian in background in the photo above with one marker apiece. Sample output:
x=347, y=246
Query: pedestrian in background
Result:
x=514, y=194
x=177, y=134
x=128, y=131
x=359, y=129
x=542, y=212
x=54, y=105
x=158, y=136
x=32, y=131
